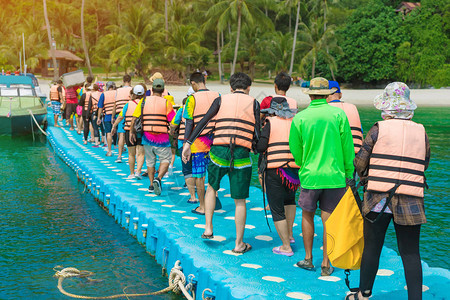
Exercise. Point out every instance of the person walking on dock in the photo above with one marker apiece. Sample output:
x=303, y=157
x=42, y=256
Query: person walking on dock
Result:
x=236, y=131
x=196, y=107
x=279, y=171
x=122, y=97
x=391, y=164
x=105, y=107
x=57, y=99
x=321, y=143
x=350, y=111
x=156, y=113
x=71, y=104
x=136, y=154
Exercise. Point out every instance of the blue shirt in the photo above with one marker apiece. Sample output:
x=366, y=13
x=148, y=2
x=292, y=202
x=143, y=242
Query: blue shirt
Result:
x=101, y=104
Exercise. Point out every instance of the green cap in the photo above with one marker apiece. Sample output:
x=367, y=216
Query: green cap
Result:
x=158, y=83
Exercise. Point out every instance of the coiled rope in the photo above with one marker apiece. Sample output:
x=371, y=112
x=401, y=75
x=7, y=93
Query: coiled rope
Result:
x=177, y=281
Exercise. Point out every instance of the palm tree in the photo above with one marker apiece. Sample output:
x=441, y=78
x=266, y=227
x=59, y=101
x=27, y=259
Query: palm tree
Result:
x=291, y=66
x=314, y=40
x=227, y=11
x=83, y=38
x=52, y=48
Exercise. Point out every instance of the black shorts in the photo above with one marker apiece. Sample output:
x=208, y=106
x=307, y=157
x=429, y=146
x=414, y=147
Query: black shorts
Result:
x=278, y=194
x=127, y=140
x=71, y=108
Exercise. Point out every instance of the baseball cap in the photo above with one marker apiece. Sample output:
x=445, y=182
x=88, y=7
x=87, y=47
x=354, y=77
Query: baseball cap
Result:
x=334, y=84
x=158, y=83
x=139, y=90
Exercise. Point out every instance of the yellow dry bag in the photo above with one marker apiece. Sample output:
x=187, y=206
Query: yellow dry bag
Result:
x=345, y=236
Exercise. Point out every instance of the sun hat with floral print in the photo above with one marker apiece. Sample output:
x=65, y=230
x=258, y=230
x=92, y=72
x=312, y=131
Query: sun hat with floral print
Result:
x=395, y=98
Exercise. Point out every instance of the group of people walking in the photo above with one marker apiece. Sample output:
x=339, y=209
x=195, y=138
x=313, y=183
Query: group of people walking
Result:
x=319, y=150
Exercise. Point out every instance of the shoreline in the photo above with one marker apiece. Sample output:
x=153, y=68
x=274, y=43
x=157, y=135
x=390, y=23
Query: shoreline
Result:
x=422, y=97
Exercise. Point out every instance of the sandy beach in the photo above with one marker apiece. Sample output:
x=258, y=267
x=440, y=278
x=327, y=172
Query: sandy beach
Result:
x=423, y=97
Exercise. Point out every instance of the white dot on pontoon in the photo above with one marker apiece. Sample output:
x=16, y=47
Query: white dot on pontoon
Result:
x=199, y=226
x=249, y=226
x=298, y=295
x=168, y=205
x=273, y=278
x=179, y=211
x=138, y=183
x=329, y=278
x=227, y=195
x=251, y=266
x=184, y=194
x=229, y=252
x=229, y=218
x=190, y=218
x=142, y=189
x=264, y=238
x=384, y=272
x=176, y=188
x=257, y=208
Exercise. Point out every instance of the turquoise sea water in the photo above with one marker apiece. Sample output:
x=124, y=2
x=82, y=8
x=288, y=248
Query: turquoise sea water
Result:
x=46, y=220
x=435, y=235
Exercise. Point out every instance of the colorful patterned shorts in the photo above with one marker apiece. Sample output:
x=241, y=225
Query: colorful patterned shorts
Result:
x=200, y=162
x=56, y=107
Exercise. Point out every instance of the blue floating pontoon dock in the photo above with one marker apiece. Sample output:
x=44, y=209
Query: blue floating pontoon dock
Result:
x=170, y=232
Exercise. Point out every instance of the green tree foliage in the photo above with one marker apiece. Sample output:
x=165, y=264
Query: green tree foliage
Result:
x=369, y=42
x=356, y=41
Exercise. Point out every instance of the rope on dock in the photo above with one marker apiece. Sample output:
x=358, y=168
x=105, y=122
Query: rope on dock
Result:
x=37, y=124
x=177, y=281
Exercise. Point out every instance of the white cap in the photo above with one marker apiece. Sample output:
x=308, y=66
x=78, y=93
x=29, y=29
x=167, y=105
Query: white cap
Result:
x=190, y=91
x=139, y=90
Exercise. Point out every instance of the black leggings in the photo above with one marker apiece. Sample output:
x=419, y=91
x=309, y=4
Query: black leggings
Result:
x=278, y=194
x=93, y=120
x=408, y=246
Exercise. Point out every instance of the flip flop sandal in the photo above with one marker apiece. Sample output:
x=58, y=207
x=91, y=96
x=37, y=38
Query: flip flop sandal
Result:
x=207, y=237
x=247, y=248
x=194, y=211
x=192, y=202
x=277, y=250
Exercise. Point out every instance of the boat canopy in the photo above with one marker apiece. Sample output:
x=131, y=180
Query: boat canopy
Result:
x=8, y=80
x=15, y=90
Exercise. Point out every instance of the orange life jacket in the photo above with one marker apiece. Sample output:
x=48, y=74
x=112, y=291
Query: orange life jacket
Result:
x=108, y=104
x=278, y=153
x=132, y=104
x=122, y=97
x=291, y=101
x=182, y=130
x=355, y=123
x=235, y=121
x=155, y=115
x=95, y=96
x=86, y=100
x=398, y=157
x=54, y=95
x=203, y=101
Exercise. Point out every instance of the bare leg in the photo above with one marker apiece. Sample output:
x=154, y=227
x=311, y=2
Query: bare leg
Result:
x=131, y=158
x=240, y=216
x=71, y=122
x=308, y=232
x=200, y=183
x=210, y=204
x=121, y=143
x=190, y=182
x=283, y=231
x=56, y=121
x=289, y=211
x=173, y=157
x=140, y=158
x=109, y=140
x=163, y=170
x=325, y=215
x=151, y=174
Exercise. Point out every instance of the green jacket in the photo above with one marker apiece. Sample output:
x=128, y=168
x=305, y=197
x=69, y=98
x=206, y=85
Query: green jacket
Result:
x=321, y=142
